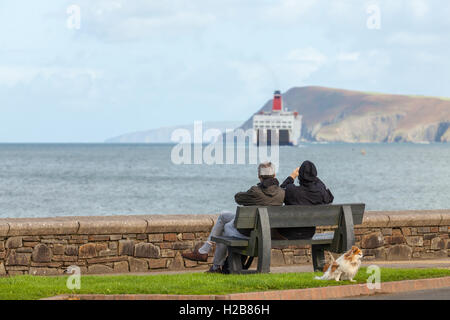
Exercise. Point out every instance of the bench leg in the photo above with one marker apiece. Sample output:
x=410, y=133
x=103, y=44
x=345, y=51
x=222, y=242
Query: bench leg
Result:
x=318, y=256
x=234, y=262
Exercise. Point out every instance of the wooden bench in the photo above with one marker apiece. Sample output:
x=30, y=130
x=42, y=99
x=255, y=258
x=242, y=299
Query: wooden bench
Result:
x=259, y=221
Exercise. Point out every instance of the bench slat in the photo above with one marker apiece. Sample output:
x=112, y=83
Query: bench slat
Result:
x=297, y=216
x=319, y=238
x=231, y=241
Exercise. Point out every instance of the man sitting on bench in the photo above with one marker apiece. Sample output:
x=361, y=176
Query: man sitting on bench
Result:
x=265, y=193
x=311, y=191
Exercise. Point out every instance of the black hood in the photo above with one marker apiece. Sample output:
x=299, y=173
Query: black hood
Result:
x=307, y=173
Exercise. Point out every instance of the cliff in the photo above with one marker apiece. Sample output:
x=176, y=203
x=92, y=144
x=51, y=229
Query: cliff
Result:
x=336, y=115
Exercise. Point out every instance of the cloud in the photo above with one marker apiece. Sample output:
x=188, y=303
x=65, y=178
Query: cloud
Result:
x=292, y=69
x=11, y=75
x=133, y=20
x=288, y=10
x=348, y=56
x=420, y=8
x=414, y=39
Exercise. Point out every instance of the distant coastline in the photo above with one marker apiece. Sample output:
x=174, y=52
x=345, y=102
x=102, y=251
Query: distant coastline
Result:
x=337, y=115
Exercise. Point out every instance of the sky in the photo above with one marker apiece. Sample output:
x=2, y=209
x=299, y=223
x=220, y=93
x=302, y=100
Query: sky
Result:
x=88, y=70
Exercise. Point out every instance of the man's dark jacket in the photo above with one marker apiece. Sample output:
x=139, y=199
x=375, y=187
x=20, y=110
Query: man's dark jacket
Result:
x=266, y=193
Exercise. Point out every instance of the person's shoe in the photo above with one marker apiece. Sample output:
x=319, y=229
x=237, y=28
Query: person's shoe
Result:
x=196, y=256
x=214, y=269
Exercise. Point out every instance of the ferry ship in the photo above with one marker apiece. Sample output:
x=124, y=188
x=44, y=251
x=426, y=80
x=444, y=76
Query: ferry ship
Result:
x=284, y=125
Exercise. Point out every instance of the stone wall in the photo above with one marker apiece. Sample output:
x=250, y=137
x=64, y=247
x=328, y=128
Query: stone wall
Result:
x=145, y=243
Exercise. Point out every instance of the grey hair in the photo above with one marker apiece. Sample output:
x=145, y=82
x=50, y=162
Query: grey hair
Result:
x=266, y=170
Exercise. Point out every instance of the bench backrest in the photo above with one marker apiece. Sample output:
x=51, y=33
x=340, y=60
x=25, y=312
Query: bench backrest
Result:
x=298, y=216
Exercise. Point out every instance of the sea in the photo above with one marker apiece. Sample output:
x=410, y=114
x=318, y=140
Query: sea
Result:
x=48, y=180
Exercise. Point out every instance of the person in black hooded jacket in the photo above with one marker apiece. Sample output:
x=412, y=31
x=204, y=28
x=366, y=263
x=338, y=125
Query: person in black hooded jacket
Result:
x=311, y=191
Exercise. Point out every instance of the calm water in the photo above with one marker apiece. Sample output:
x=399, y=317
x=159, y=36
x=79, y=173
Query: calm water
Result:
x=41, y=180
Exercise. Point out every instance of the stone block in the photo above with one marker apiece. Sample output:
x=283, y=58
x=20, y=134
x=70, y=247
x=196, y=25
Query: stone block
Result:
x=87, y=250
x=4, y=228
x=377, y=219
x=378, y=254
x=107, y=252
x=188, y=236
x=105, y=260
x=42, y=226
x=42, y=253
x=2, y=245
x=414, y=218
x=111, y=225
x=429, y=236
x=414, y=241
x=126, y=247
x=30, y=243
x=179, y=223
x=137, y=265
x=97, y=237
x=372, y=240
x=301, y=259
x=115, y=237
x=113, y=246
x=47, y=264
x=406, y=231
x=423, y=229
x=167, y=253
x=146, y=250
x=155, y=237
x=101, y=246
x=386, y=231
x=177, y=263
x=121, y=267
x=2, y=269
x=437, y=244
x=24, y=250
x=99, y=269
x=399, y=252
x=58, y=249
x=13, y=242
x=18, y=259
x=182, y=245
x=172, y=237
x=289, y=257
x=394, y=239
x=190, y=264
x=45, y=271
x=277, y=257
x=157, y=263
x=71, y=250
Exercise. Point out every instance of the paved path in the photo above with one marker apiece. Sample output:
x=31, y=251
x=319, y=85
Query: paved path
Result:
x=434, y=294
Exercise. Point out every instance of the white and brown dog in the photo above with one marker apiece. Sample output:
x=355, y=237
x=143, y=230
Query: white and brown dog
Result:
x=343, y=268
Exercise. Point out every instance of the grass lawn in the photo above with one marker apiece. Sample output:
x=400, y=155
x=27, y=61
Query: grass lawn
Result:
x=34, y=287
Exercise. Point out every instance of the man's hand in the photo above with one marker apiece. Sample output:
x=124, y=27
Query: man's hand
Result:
x=294, y=173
